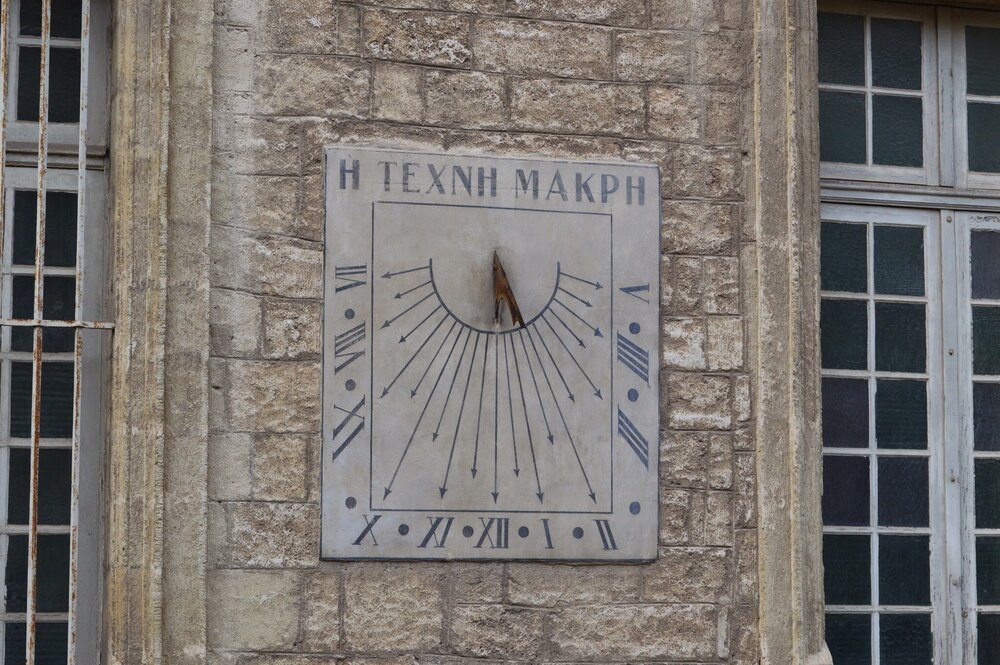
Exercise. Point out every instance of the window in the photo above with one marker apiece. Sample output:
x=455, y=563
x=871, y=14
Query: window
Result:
x=910, y=324
x=53, y=340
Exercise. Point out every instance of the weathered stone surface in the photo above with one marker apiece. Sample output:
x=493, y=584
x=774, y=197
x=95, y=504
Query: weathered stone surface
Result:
x=674, y=112
x=725, y=342
x=689, y=575
x=722, y=287
x=683, y=343
x=392, y=607
x=260, y=203
x=235, y=324
x=476, y=583
x=588, y=108
x=321, y=611
x=720, y=462
x=640, y=632
x=396, y=92
x=746, y=490
x=699, y=401
x=663, y=57
x=682, y=14
x=309, y=26
x=466, y=99
x=533, y=48
x=724, y=115
x=428, y=38
x=684, y=459
x=720, y=57
x=682, y=517
x=610, y=12
x=269, y=265
x=746, y=566
x=311, y=85
x=272, y=535
x=540, y=144
x=229, y=467
x=496, y=631
x=292, y=329
x=267, y=146
x=559, y=586
x=719, y=519
x=280, y=465
x=688, y=284
x=256, y=609
x=268, y=396
x=691, y=227
x=708, y=172
x=743, y=398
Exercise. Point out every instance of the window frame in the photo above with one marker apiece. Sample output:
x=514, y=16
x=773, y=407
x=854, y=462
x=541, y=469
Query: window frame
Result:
x=958, y=21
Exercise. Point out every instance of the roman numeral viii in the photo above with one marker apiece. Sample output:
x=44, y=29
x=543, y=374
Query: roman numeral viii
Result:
x=350, y=276
x=636, y=441
x=342, y=344
x=634, y=357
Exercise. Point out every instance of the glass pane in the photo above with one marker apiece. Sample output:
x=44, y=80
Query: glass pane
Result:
x=54, y=478
x=849, y=637
x=902, y=491
x=59, y=303
x=845, y=413
x=986, y=340
x=60, y=228
x=900, y=336
x=899, y=261
x=986, y=264
x=65, y=18
x=896, y=59
x=844, y=332
x=984, y=137
x=64, y=84
x=845, y=491
x=904, y=575
x=50, y=643
x=989, y=638
x=57, y=400
x=900, y=414
x=988, y=570
x=841, y=49
x=847, y=569
x=987, y=493
x=986, y=415
x=844, y=257
x=905, y=639
x=842, y=127
x=53, y=573
x=982, y=53
x=897, y=131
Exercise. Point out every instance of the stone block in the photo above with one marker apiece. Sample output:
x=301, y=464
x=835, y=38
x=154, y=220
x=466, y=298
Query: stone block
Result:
x=292, y=329
x=720, y=461
x=314, y=85
x=466, y=99
x=682, y=14
x=698, y=401
x=269, y=396
x=708, y=172
x=722, y=285
x=467, y=6
x=684, y=459
x=392, y=607
x=666, y=282
x=683, y=343
x=719, y=519
x=246, y=144
x=475, y=583
x=682, y=516
x=264, y=264
x=321, y=611
x=646, y=56
x=689, y=575
x=746, y=490
x=725, y=342
x=688, y=283
x=533, y=48
x=396, y=92
x=318, y=134
x=266, y=204
x=675, y=112
x=691, y=227
x=743, y=635
x=280, y=465
x=234, y=324
x=414, y=36
x=746, y=566
x=743, y=398
x=721, y=57
x=312, y=208
x=235, y=70
x=309, y=26
x=515, y=143
x=577, y=106
x=561, y=586
x=272, y=535
x=253, y=609
x=496, y=631
x=724, y=115
x=604, y=12
x=636, y=632
x=660, y=153
x=229, y=467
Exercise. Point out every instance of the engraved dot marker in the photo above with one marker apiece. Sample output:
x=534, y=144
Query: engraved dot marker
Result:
x=467, y=531
x=634, y=507
x=633, y=394
x=404, y=529
x=523, y=532
x=351, y=385
x=634, y=328
x=349, y=314
x=351, y=502
x=578, y=533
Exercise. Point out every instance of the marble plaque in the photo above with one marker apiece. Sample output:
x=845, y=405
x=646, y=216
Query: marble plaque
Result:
x=490, y=358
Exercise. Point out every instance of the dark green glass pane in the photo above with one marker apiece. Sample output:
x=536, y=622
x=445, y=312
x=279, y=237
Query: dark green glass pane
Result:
x=900, y=337
x=986, y=264
x=841, y=49
x=844, y=257
x=984, y=137
x=845, y=413
x=900, y=414
x=54, y=477
x=905, y=639
x=988, y=570
x=64, y=84
x=847, y=569
x=849, y=637
x=986, y=415
x=982, y=53
x=60, y=228
x=842, y=127
x=902, y=491
x=50, y=643
x=897, y=131
x=64, y=18
x=899, y=261
x=904, y=575
x=845, y=491
x=989, y=638
x=987, y=493
x=896, y=57
x=59, y=303
x=986, y=340
x=844, y=332
x=57, y=400
x=53, y=573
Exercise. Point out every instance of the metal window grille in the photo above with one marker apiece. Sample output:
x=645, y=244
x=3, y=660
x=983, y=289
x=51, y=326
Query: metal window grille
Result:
x=45, y=326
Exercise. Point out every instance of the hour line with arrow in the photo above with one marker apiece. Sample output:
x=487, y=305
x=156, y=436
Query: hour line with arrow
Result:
x=538, y=392
x=405, y=337
x=390, y=275
x=510, y=403
x=406, y=311
x=451, y=386
x=596, y=285
x=479, y=417
x=413, y=393
x=596, y=331
x=461, y=410
x=385, y=391
x=585, y=303
x=496, y=417
x=597, y=391
x=566, y=326
x=545, y=346
x=400, y=294
x=527, y=424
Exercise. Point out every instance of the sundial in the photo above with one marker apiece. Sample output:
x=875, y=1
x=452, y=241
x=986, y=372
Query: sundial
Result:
x=490, y=358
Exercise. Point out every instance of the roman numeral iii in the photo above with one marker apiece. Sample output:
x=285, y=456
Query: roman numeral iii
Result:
x=634, y=357
x=636, y=441
x=342, y=344
x=350, y=276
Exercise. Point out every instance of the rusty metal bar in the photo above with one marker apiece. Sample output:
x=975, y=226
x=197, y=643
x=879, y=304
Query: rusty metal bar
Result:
x=57, y=323
x=5, y=92
x=74, y=506
x=81, y=188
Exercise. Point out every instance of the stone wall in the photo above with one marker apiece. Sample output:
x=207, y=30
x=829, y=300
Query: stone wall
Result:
x=656, y=80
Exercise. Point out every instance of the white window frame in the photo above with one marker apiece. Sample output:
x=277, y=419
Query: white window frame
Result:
x=960, y=20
